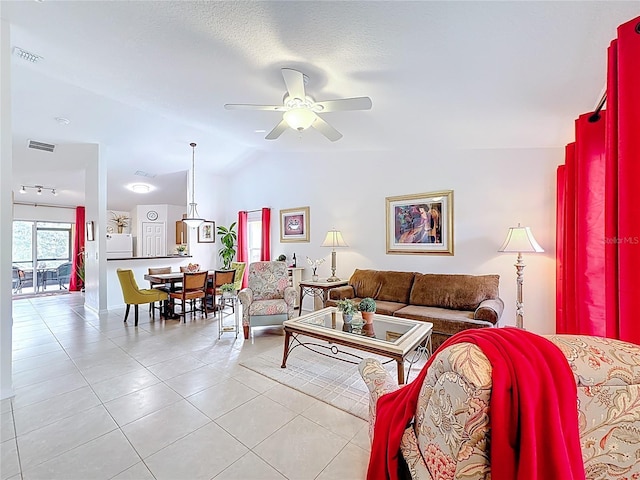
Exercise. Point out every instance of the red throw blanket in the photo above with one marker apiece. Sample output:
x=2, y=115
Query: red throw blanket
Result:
x=533, y=409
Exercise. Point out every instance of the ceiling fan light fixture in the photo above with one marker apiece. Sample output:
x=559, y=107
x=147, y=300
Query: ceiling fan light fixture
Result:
x=299, y=118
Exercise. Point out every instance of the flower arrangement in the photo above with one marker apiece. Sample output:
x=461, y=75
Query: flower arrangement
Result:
x=121, y=220
x=192, y=267
x=314, y=264
x=181, y=249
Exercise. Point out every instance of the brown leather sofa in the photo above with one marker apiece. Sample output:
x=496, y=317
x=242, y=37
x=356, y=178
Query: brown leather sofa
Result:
x=451, y=302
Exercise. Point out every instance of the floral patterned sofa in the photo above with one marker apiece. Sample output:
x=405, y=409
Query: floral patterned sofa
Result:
x=268, y=298
x=449, y=436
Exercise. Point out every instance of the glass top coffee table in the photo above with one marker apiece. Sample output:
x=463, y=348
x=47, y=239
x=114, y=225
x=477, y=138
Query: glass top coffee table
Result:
x=390, y=337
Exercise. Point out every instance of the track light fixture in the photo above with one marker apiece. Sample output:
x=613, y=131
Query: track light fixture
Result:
x=38, y=189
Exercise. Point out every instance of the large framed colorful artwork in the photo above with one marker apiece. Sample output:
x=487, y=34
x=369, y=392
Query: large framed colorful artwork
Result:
x=294, y=225
x=421, y=223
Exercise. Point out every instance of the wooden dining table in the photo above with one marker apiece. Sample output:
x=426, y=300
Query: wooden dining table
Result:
x=173, y=279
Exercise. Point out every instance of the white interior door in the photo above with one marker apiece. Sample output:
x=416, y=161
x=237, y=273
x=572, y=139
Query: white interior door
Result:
x=153, y=239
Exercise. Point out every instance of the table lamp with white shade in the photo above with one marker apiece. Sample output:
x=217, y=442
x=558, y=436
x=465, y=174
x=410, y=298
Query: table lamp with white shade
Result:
x=520, y=239
x=333, y=239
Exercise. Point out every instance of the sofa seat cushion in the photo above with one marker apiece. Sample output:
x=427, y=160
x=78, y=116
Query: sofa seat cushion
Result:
x=388, y=286
x=388, y=308
x=445, y=321
x=457, y=292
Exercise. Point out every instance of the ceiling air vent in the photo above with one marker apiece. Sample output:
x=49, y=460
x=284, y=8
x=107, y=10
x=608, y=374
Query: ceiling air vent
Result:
x=145, y=174
x=47, y=147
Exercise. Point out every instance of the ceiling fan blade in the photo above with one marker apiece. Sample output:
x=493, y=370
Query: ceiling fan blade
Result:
x=294, y=80
x=277, y=131
x=244, y=106
x=326, y=129
x=357, y=103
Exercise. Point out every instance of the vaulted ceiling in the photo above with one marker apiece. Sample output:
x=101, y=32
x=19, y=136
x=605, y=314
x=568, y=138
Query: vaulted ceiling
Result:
x=144, y=79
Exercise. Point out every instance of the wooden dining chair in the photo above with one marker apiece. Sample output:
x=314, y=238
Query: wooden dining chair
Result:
x=194, y=287
x=220, y=277
x=165, y=287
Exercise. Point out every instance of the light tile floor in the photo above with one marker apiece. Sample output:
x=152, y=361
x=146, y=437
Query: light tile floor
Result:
x=99, y=399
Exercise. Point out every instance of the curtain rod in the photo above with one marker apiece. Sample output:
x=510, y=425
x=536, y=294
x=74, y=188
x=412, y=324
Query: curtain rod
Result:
x=256, y=210
x=30, y=204
x=595, y=116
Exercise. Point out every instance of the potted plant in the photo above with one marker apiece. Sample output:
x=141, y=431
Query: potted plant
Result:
x=121, y=221
x=281, y=258
x=181, y=249
x=227, y=289
x=348, y=308
x=367, y=306
x=228, y=238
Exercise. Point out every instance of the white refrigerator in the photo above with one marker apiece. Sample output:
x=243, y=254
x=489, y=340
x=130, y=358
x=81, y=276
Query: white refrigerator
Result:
x=119, y=245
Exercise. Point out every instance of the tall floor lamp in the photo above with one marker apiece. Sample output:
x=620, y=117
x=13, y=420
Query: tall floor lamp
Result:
x=333, y=239
x=520, y=239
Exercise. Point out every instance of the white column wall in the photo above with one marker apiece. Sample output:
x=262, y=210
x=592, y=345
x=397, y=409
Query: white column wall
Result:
x=6, y=214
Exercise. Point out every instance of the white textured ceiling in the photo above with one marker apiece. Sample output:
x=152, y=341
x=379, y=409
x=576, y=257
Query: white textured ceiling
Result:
x=144, y=79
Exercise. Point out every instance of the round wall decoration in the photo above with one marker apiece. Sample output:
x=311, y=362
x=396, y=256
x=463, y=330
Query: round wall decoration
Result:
x=152, y=215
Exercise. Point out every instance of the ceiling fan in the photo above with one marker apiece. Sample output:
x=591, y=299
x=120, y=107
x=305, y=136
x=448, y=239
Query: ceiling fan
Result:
x=301, y=111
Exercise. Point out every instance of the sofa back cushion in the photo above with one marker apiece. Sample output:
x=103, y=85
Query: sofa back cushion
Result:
x=387, y=286
x=458, y=292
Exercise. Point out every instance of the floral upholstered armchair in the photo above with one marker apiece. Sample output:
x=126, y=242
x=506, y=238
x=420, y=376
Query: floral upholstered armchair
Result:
x=268, y=298
x=449, y=437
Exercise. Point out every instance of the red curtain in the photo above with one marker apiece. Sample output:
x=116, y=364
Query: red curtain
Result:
x=75, y=283
x=243, y=248
x=265, y=245
x=599, y=207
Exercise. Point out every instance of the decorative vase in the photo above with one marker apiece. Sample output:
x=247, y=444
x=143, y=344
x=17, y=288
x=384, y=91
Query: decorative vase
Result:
x=347, y=317
x=314, y=278
x=120, y=228
x=367, y=317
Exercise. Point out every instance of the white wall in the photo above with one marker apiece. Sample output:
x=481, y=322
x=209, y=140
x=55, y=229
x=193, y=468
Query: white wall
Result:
x=6, y=214
x=42, y=213
x=493, y=190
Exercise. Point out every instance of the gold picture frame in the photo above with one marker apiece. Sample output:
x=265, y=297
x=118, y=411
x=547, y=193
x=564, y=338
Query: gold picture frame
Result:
x=421, y=223
x=294, y=225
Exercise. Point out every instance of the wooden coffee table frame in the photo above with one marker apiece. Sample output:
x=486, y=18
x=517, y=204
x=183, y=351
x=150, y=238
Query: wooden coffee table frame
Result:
x=418, y=334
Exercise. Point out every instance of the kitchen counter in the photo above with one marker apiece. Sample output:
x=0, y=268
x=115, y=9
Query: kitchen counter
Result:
x=149, y=258
x=140, y=267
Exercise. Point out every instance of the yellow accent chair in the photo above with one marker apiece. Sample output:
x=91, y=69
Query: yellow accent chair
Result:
x=239, y=267
x=133, y=295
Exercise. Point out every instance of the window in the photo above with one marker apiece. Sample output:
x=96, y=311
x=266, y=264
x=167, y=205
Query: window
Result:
x=254, y=235
x=41, y=243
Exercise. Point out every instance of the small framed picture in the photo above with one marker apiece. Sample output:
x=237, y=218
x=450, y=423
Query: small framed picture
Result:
x=90, y=232
x=207, y=232
x=420, y=223
x=294, y=225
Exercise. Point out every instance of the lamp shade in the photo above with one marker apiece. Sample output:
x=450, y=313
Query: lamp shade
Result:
x=334, y=239
x=299, y=118
x=520, y=239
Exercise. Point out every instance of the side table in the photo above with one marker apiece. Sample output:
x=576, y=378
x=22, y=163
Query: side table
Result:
x=234, y=303
x=318, y=290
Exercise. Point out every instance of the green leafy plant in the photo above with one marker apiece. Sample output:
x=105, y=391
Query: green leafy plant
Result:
x=228, y=238
x=228, y=287
x=347, y=306
x=181, y=248
x=367, y=305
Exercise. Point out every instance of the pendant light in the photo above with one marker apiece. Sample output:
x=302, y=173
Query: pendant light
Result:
x=192, y=219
